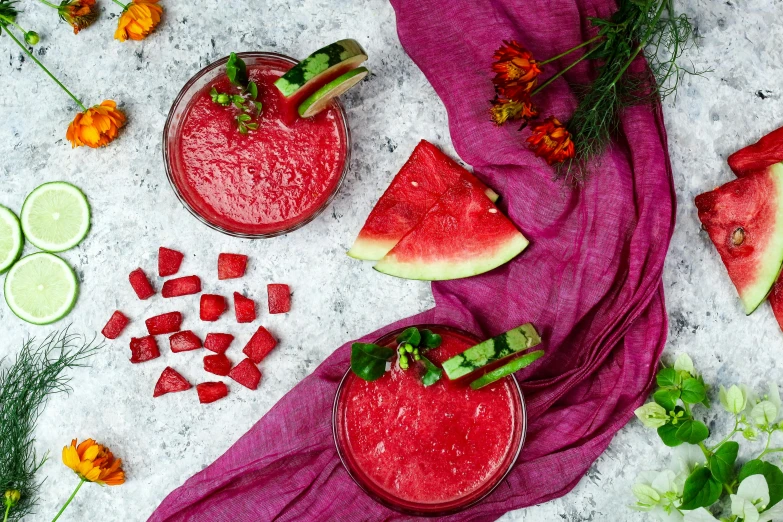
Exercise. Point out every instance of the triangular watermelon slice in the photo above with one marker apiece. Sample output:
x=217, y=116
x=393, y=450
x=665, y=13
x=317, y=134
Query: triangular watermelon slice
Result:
x=462, y=235
x=744, y=219
x=423, y=179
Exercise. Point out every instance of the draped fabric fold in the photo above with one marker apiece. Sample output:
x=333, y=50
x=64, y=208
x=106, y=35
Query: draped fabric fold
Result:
x=590, y=281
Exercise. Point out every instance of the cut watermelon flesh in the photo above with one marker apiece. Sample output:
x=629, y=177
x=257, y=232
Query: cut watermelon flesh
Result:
x=744, y=219
x=463, y=235
x=421, y=182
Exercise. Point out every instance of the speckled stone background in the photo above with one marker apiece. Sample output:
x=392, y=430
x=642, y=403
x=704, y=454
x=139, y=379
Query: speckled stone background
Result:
x=336, y=299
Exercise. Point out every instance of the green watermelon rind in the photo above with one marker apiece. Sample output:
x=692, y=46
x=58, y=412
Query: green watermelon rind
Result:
x=492, y=351
x=320, y=64
x=770, y=269
x=453, y=269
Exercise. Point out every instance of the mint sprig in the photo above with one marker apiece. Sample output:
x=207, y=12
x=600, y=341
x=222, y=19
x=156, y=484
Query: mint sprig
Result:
x=245, y=101
x=368, y=361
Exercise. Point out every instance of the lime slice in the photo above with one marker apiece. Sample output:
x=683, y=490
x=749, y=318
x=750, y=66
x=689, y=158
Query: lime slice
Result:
x=507, y=369
x=11, y=239
x=41, y=288
x=55, y=216
x=320, y=99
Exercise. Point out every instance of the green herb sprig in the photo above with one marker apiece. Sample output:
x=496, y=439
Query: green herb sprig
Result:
x=755, y=488
x=369, y=361
x=25, y=386
x=245, y=101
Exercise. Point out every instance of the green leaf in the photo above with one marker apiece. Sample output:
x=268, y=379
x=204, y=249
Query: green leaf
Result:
x=692, y=431
x=771, y=472
x=693, y=391
x=243, y=117
x=667, y=378
x=667, y=398
x=701, y=489
x=368, y=361
x=430, y=340
x=668, y=434
x=236, y=70
x=722, y=461
x=410, y=335
x=252, y=89
x=433, y=373
x=258, y=105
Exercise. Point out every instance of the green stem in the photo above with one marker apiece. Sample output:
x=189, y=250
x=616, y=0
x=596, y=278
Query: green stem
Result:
x=42, y=66
x=552, y=59
x=7, y=509
x=75, y=491
x=730, y=435
x=44, y=2
x=124, y=7
x=642, y=43
x=767, y=449
x=562, y=72
x=12, y=22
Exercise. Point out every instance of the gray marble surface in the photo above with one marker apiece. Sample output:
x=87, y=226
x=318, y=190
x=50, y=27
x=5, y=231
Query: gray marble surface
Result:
x=165, y=441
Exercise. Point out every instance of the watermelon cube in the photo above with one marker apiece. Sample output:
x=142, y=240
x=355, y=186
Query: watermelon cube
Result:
x=164, y=323
x=218, y=364
x=244, y=308
x=141, y=285
x=218, y=342
x=181, y=286
x=115, y=326
x=247, y=374
x=184, y=341
x=211, y=391
x=212, y=307
x=231, y=266
x=259, y=345
x=168, y=261
x=279, y=298
x=170, y=381
x=143, y=349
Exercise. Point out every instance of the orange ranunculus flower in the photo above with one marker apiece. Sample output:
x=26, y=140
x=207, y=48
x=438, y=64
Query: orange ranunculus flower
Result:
x=79, y=14
x=138, y=20
x=504, y=109
x=552, y=141
x=516, y=70
x=94, y=463
x=97, y=126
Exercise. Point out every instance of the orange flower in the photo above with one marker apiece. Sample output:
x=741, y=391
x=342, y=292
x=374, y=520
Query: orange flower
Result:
x=552, y=141
x=97, y=126
x=79, y=14
x=504, y=109
x=138, y=20
x=94, y=463
x=516, y=70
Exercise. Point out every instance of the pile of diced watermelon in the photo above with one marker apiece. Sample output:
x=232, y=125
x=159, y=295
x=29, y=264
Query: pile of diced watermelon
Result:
x=212, y=307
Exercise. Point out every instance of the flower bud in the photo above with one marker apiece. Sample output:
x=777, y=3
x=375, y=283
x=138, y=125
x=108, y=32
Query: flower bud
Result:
x=12, y=497
x=31, y=37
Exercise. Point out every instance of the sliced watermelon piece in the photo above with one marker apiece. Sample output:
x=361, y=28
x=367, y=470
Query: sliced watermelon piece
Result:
x=184, y=341
x=421, y=182
x=744, y=219
x=169, y=261
x=776, y=301
x=231, y=266
x=211, y=391
x=247, y=374
x=141, y=285
x=218, y=364
x=762, y=154
x=178, y=286
x=463, y=235
x=259, y=345
x=279, y=297
x=212, y=307
x=143, y=349
x=244, y=308
x=164, y=323
x=170, y=381
x=492, y=352
x=218, y=342
x=115, y=326
x=321, y=98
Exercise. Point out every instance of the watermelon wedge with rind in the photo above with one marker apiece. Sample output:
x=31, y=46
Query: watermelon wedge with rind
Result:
x=321, y=98
x=744, y=219
x=419, y=184
x=462, y=235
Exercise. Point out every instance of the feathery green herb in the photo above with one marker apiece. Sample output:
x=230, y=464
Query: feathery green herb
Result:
x=37, y=372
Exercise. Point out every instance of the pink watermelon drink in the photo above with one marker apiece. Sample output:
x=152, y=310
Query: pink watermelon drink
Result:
x=267, y=182
x=428, y=450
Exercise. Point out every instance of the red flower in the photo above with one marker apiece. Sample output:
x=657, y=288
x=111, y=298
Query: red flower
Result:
x=504, y=109
x=516, y=70
x=552, y=141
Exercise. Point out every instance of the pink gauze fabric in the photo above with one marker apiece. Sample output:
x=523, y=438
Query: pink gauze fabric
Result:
x=590, y=281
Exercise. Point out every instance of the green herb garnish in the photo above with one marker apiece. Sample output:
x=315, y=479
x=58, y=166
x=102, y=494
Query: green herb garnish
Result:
x=368, y=361
x=236, y=70
x=35, y=374
x=245, y=101
x=433, y=373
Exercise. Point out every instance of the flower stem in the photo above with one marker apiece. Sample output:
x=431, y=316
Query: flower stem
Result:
x=7, y=509
x=552, y=59
x=562, y=72
x=642, y=43
x=5, y=19
x=730, y=435
x=75, y=491
x=42, y=66
x=120, y=4
x=44, y=2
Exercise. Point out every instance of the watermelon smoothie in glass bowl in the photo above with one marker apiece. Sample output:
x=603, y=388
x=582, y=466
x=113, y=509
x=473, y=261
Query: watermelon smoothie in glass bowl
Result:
x=428, y=450
x=267, y=182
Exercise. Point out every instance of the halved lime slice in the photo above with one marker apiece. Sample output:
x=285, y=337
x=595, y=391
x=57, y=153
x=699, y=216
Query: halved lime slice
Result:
x=41, y=288
x=11, y=239
x=320, y=99
x=55, y=216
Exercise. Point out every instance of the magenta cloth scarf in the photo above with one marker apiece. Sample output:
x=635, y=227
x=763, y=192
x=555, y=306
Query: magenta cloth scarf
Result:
x=590, y=281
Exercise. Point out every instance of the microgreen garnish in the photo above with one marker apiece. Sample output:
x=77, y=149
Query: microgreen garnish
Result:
x=368, y=361
x=246, y=101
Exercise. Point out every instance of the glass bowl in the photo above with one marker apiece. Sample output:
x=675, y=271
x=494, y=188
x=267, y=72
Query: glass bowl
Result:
x=406, y=506
x=171, y=135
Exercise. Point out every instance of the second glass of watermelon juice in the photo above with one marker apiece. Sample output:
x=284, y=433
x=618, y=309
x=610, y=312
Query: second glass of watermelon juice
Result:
x=268, y=182
x=428, y=450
